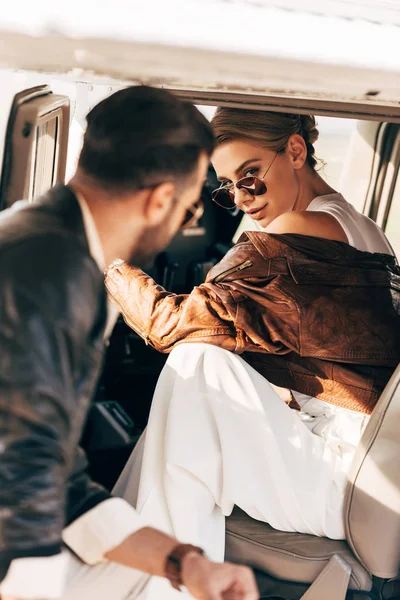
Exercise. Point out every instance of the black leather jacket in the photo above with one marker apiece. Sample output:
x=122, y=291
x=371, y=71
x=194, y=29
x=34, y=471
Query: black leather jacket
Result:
x=52, y=319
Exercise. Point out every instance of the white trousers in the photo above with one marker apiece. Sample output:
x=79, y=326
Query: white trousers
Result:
x=219, y=435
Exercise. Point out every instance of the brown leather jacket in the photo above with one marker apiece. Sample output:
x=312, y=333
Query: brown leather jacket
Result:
x=312, y=315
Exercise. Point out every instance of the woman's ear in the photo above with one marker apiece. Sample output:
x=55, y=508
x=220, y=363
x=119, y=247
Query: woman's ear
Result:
x=158, y=203
x=297, y=150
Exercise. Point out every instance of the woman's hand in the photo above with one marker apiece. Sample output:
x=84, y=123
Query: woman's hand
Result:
x=208, y=580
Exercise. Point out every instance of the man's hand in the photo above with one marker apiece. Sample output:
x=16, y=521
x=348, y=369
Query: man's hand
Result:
x=147, y=550
x=208, y=580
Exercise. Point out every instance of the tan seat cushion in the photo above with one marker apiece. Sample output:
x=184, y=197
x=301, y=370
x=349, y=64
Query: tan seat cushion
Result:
x=289, y=556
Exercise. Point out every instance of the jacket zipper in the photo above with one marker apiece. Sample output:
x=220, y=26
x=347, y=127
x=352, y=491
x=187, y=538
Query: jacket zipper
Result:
x=244, y=265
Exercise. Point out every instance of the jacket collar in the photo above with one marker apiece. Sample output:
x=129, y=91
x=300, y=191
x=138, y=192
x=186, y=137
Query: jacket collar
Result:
x=63, y=205
x=315, y=249
x=306, y=259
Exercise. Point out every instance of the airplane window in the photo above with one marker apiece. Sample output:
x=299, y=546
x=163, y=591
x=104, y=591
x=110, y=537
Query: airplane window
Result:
x=332, y=145
x=36, y=145
x=43, y=163
x=392, y=228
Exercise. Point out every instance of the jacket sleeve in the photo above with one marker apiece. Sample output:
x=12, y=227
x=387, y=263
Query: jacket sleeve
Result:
x=44, y=334
x=164, y=319
x=238, y=314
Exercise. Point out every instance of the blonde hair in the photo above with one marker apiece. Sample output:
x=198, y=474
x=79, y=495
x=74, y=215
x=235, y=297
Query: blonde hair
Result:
x=271, y=130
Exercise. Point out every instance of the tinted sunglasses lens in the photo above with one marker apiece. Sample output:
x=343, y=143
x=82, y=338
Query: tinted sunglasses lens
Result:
x=252, y=185
x=193, y=215
x=223, y=198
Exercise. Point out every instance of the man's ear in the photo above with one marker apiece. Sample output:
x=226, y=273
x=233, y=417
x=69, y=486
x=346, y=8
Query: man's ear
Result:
x=158, y=203
x=297, y=151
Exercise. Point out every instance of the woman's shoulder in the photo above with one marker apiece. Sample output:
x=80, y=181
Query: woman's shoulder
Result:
x=309, y=222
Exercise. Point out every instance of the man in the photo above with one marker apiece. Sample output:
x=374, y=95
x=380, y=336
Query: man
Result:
x=142, y=166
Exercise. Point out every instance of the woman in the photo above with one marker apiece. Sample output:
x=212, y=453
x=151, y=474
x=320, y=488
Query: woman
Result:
x=219, y=434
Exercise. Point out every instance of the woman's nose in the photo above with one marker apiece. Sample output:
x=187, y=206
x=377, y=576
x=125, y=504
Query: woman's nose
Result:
x=241, y=197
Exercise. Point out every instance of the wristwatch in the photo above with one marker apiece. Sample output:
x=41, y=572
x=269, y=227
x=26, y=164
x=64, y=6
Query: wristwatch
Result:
x=173, y=563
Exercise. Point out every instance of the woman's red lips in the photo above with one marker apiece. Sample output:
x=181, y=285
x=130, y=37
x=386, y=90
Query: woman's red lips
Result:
x=255, y=211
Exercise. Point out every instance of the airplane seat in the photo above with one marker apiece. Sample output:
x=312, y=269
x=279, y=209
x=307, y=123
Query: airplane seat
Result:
x=195, y=250
x=366, y=564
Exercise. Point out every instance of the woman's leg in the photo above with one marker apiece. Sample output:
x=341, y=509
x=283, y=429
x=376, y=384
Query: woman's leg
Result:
x=219, y=435
x=127, y=485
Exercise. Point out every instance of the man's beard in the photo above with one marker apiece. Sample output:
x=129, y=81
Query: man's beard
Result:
x=151, y=242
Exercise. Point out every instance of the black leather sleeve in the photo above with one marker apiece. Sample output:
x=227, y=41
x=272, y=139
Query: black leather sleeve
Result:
x=51, y=325
x=82, y=492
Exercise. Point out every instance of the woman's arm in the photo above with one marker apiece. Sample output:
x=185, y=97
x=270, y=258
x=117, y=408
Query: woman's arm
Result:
x=164, y=319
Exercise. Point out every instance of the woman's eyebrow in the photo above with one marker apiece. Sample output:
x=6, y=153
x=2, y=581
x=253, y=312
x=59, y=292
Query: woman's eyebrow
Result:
x=240, y=168
x=244, y=164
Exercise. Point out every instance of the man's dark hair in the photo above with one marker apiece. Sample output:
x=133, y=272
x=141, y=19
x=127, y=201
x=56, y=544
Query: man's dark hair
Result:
x=141, y=136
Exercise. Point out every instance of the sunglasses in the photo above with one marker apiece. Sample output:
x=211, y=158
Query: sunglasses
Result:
x=193, y=214
x=225, y=195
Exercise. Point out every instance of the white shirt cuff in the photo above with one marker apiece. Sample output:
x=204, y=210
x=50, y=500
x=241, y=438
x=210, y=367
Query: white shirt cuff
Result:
x=101, y=529
x=35, y=578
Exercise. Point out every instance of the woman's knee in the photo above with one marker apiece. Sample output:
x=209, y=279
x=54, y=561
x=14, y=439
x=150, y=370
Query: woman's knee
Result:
x=198, y=350
x=201, y=359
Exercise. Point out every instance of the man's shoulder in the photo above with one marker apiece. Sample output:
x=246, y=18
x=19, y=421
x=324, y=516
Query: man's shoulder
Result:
x=51, y=269
x=45, y=238
x=57, y=211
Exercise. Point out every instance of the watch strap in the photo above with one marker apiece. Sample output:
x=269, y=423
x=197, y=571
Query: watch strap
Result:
x=173, y=563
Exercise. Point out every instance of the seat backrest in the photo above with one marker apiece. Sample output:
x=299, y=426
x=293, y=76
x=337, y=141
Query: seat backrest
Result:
x=372, y=511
